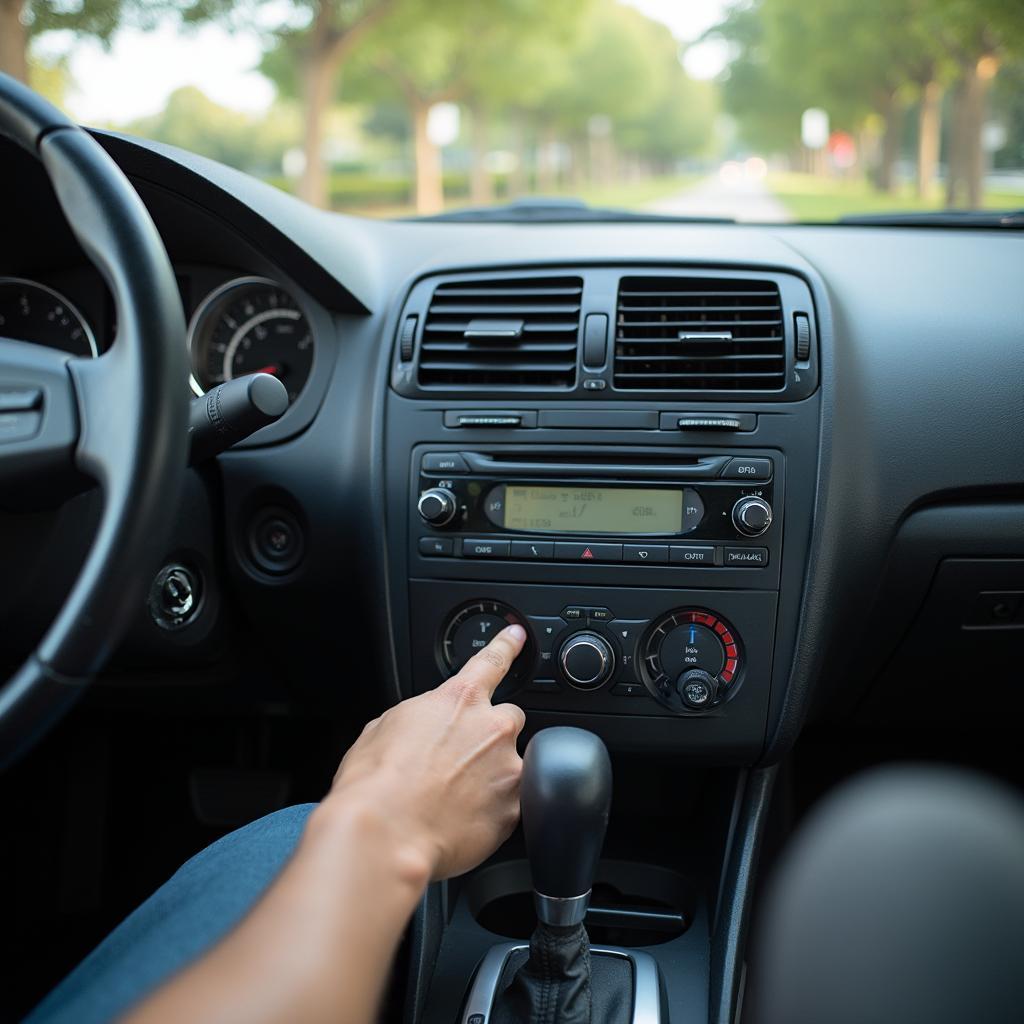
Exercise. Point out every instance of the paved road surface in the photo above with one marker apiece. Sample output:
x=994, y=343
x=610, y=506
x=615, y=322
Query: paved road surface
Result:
x=743, y=200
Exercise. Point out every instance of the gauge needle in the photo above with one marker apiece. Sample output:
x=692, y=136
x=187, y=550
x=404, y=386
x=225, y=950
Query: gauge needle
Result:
x=272, y=368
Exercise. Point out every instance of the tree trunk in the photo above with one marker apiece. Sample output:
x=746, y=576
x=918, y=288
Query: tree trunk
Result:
x=958, y=132
x=979, y=79
x=429, y=184
x=318, y=84
x=13, y=40
x=929, y=124
x=893, y=114
x=481, y=186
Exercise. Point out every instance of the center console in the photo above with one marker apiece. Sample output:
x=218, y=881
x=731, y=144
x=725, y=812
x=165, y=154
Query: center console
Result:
x=626, y=463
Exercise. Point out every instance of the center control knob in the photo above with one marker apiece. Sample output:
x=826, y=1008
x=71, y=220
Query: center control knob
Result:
x=437, y=506
x=587, y=660
x=752, y=516
x=697, y=689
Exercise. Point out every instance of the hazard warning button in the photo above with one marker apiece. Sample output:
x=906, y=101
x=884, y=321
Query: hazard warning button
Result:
x=580, y=551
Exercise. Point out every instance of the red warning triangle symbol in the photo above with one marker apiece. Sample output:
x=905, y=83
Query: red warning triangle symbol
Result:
x=587, y=553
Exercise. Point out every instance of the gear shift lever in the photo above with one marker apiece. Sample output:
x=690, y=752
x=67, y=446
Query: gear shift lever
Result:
x=565, y=796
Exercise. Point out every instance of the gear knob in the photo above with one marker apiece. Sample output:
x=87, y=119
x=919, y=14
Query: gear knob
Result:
x=565, y=797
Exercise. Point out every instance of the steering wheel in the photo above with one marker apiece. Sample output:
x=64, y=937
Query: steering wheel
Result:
x=120, y=419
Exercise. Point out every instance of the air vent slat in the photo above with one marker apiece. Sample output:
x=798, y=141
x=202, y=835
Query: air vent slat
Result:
x=445, y=292
x=469, y=346
x=699, y=334
x=699, y=358
x=537, y=327
x=769, y=292
x=505, y=308
x=543, y=354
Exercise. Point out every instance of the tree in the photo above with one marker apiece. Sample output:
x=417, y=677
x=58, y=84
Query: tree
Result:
x=193, y=121
x=980, y=34
x=488, y=57
x=23, y=20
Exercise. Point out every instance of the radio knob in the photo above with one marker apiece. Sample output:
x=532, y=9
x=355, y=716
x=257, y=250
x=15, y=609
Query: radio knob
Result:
x=752, y=516
x=437, y=506
x=587, y=660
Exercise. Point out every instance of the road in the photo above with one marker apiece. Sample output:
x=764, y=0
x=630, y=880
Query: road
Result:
x=744, y=200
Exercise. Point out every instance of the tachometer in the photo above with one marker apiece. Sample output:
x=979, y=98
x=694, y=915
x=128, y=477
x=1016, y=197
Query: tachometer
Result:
x=250, y=325
x=30, y=311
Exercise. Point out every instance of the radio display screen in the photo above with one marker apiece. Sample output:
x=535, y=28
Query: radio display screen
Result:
x=593, y=509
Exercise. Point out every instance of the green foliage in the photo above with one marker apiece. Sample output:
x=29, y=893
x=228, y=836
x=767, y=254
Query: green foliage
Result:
x=850, y=56
x=194, y=122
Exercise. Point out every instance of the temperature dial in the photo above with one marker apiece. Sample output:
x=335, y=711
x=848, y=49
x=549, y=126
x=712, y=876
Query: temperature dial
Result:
x=752, y=516
x=472, y=627
x=437, y=506
x=691, y=659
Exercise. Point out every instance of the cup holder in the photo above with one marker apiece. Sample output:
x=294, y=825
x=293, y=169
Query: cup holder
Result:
x=631, y=905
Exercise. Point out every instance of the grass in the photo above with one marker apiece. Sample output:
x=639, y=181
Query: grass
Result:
x=809, y=198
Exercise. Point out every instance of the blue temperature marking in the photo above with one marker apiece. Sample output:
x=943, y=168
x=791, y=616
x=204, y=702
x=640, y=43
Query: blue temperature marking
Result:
x=693, y=634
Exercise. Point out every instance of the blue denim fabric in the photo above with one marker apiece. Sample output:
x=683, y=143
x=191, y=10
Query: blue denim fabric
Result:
x=199, y=904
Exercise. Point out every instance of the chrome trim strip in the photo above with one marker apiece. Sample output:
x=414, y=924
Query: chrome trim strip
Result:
x=646, y=996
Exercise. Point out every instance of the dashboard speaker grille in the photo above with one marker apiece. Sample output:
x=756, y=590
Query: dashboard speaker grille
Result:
x=511, y=332
x=699, y=334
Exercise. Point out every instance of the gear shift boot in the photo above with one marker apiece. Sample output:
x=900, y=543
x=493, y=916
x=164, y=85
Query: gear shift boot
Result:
x=557, y=981
x=623, y=988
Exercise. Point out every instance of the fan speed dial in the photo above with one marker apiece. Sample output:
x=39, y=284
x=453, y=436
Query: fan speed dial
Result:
x=691, y=659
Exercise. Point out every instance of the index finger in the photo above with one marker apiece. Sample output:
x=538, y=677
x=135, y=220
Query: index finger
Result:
x=488, y=667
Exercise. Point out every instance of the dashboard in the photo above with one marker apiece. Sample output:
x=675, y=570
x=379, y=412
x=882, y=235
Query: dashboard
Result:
x=728, y=477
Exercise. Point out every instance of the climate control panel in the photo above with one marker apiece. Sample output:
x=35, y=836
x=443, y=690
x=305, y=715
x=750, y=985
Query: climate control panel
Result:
x=689, y=660
x=648, y=668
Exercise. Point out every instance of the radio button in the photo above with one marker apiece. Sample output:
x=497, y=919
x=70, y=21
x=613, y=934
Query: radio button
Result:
x=693, y=554
x=436, y=546
x=747, y=469
x=485, y=548
x=533, y=549
x=752, y=558
x=693, y=510
x=573, y=552
x=444, y=462
x=652, y=553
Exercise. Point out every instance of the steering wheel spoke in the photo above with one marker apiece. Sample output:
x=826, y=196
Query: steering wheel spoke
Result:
x=39, y=421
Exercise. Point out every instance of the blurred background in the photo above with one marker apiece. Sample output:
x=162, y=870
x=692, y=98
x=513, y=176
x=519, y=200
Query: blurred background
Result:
x=765, y=110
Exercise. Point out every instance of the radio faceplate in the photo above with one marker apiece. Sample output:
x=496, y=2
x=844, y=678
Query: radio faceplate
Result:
x=713, y=510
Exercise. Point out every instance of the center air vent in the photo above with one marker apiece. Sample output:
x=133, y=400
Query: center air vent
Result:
x=508, y=332
x=699, y=334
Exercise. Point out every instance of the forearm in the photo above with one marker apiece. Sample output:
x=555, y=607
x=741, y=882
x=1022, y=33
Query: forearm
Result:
x=319, y=944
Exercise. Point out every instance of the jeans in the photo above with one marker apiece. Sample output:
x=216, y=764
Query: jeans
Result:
x=184, y=918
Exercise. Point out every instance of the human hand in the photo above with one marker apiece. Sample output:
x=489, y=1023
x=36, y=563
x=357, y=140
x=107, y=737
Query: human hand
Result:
x=442, y=766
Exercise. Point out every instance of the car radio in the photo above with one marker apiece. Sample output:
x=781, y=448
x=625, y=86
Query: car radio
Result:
x=696, y=510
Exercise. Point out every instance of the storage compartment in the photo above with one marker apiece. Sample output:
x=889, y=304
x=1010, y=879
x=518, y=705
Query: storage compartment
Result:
x=631, y=905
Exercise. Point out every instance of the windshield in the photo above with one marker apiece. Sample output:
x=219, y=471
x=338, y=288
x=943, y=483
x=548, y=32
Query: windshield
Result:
x=759, y=110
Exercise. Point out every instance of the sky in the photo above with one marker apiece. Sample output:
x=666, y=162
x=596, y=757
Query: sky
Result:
x=141, y=69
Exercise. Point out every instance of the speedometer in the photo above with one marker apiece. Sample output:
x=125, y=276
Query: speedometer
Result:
x=30, y=311
x=250, y=325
